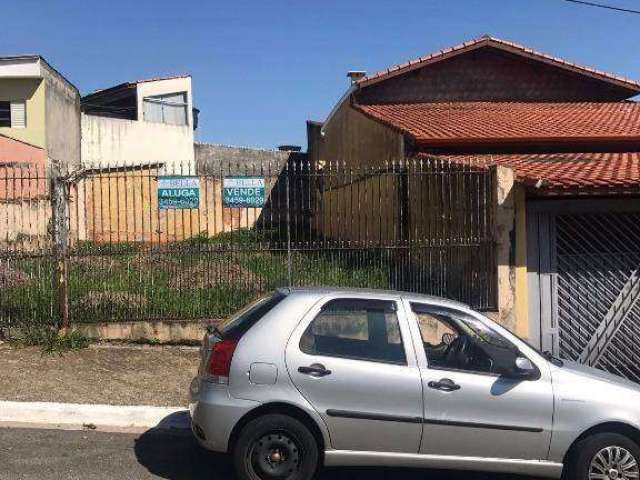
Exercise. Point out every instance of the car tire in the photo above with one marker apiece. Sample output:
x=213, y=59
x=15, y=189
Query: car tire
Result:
x=603, y=452
x=275, y=446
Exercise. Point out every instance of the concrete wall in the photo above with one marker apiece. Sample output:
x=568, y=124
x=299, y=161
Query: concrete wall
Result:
x=171, y=331
x=24, y=201
x=62, y=117
x=111, y=142
x=123, y=207
x=504, y=224
x=352, y=138
x=521, y=288
x=358, y=144
x=32, y=90
x=24, y=225
x=217, y=159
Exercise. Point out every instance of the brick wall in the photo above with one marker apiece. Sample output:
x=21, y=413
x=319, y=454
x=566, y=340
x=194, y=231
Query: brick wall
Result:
x=489, y=74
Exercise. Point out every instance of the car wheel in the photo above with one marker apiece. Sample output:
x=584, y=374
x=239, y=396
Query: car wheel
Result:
x=275, y=446
x=606, y=456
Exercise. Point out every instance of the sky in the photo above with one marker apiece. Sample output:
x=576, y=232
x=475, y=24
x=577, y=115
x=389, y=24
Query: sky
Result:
x=262, y=68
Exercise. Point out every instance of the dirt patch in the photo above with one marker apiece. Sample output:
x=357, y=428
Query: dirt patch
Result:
x=11, y=278
x=116, y=375
x=211, y=275
x=95, y=263
x=148, y=262
x=93, y=300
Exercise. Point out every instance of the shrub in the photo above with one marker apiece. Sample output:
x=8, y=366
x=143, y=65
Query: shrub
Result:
x=50, y=340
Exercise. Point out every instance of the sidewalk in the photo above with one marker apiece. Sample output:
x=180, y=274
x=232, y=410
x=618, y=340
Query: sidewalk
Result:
x=117, y=375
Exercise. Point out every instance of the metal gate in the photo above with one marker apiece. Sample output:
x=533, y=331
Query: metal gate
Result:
x=592, y=260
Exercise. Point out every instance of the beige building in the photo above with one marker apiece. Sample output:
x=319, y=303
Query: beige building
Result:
x=146, y=122
x=39, y=133
x=39, y=108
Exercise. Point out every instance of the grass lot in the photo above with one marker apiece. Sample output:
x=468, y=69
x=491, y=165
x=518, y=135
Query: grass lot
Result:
x=193, y=279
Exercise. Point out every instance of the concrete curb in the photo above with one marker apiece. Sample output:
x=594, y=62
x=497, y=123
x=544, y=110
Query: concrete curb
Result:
x=100, y=417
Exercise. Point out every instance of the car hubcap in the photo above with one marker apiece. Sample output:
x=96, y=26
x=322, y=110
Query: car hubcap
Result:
x=275, y=455
x=614, y=463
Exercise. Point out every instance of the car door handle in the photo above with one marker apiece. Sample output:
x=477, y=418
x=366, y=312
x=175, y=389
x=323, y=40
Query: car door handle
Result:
x=445, y=385
x=315, y=370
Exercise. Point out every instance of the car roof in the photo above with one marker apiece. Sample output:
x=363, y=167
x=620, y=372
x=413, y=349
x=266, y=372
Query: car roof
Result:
x=321, y=291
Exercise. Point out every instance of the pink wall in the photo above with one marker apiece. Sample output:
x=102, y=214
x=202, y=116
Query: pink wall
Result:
x=22, y=170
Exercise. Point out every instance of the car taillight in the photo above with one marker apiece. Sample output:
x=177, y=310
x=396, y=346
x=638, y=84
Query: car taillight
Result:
x=220, y=358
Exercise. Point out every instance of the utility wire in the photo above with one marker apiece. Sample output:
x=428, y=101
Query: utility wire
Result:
x=608, y=7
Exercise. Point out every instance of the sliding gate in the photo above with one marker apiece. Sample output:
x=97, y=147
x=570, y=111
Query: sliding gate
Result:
x=587, y=284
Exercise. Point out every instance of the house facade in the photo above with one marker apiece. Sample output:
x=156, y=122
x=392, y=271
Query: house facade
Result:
x=563, y=141
x=39, y=108
x=39, y=134
x=146, y=122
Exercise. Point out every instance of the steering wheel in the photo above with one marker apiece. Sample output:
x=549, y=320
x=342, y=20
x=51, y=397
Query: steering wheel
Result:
x=459, y=353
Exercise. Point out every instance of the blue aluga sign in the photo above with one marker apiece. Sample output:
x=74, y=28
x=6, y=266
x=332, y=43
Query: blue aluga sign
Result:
x=178, y=192
x=243, y=192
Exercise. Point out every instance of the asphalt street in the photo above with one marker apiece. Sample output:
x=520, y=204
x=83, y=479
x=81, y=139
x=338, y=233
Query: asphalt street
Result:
x=29, y=454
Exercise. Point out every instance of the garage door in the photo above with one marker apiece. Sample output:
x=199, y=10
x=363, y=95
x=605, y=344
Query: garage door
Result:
x=589, y=285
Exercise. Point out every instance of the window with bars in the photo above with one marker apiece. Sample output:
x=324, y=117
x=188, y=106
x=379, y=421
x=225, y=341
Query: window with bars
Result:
x=13, y=114
x=170, y=108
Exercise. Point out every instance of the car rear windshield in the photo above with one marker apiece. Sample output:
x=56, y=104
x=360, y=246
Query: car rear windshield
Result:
x=237, y=325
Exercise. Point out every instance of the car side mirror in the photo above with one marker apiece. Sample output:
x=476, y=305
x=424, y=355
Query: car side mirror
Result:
x=525, y=365
x=524, y=369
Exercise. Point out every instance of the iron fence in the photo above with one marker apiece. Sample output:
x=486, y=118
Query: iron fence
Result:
x=180, y=241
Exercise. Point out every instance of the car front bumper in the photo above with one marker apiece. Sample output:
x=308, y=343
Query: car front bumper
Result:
x=214, y=413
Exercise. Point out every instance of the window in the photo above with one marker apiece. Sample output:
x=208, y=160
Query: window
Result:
x=13, y=114
x=357, y=329
x=170, y=109
x=455, y=340
x=236, y=326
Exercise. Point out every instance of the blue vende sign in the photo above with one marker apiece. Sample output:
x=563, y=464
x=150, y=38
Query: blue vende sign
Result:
x=243, y=192
x=178, y=192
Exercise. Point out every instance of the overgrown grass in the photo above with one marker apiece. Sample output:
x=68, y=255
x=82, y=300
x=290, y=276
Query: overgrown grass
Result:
x=189, y=280
x=49, y=339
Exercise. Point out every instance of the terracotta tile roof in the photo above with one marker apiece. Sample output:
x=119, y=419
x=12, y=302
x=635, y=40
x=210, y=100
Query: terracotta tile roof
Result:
x=488, y=123
x=488, y=41
x=569, y=173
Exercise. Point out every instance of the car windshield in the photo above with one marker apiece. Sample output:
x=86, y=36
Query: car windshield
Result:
x=474, y=328
x=480, y=331
x=548, y=355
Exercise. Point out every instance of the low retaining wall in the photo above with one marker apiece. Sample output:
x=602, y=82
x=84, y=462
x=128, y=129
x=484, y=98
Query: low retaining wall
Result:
x=160, y=331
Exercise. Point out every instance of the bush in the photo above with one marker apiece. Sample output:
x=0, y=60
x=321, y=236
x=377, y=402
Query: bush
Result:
x=66, y=342
x=50, y=340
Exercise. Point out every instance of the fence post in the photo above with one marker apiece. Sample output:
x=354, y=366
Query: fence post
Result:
x=60, y=234
x=289, y=266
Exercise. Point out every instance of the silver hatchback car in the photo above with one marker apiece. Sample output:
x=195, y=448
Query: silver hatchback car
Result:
x=346, y=377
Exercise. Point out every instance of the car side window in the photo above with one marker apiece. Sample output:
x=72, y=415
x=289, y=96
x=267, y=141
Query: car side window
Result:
x=357, y=329
x=454, y=340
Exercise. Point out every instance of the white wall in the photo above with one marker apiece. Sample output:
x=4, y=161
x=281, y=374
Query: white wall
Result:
x=161, y=87
x=20, y=67
x=115, y=142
